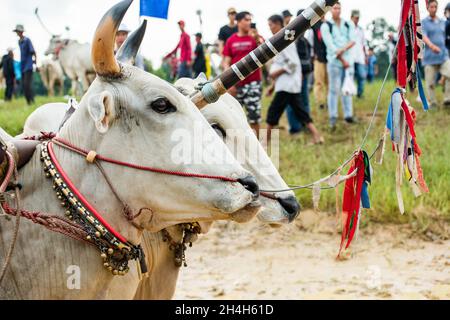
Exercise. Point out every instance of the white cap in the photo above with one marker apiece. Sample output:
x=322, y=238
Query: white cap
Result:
x=123, y=27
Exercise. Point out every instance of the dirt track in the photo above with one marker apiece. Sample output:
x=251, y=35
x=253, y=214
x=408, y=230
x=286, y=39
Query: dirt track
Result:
x=252, y=261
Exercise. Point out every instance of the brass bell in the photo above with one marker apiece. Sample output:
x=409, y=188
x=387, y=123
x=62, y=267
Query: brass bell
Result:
x=47, y=175
x=110, y=251
x=70, y=217
x=115, y=272
x=110, y=268
x=68, y=212
x=103, y=255
x=97, y=234
x=88, y=237
x=106, y=264
x=63, y=204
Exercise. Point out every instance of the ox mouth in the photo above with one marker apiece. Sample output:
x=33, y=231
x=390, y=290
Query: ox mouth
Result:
x=275, y=216
x=247, y=213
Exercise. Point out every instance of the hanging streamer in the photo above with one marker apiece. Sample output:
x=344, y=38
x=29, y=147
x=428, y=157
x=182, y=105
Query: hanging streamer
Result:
x=316, y=196
x=352, y=199
x=400, y=121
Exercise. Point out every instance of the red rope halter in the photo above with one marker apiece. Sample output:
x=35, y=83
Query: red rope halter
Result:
x=68, y=145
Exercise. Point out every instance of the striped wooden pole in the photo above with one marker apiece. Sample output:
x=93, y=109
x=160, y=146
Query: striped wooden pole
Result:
x=212, y=91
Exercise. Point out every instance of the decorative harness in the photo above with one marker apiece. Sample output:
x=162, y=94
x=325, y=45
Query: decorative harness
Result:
x=86, y=224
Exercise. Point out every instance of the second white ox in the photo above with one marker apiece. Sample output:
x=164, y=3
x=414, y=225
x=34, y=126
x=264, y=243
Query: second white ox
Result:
x=52, y=73
x=75, y=59
x=228, y=119
x=129, y=115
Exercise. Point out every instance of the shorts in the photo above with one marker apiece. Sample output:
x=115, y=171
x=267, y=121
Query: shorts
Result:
x=249, y=96
x=281, y=100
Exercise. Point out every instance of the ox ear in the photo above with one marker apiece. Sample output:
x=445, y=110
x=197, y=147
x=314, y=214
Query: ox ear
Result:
x=101, y=109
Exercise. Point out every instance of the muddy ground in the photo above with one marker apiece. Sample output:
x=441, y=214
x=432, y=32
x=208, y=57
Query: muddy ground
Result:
x=298, y=261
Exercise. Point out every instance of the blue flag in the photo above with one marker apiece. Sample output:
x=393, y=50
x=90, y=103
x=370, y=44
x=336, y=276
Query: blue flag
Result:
x=154, y=8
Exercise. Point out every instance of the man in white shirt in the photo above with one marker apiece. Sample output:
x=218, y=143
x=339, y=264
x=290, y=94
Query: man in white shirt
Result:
x=359, y=53
x=287, y=73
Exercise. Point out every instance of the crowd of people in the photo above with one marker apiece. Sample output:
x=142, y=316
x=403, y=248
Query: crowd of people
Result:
x=333, y=57
x=331, y=53
x=18, y=74
x=333, y=60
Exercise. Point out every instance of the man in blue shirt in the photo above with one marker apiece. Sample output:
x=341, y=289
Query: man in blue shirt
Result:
x=436, y=58
x=27, y=54
x=338, y=36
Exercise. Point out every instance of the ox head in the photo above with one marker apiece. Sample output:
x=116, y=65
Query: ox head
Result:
x=228, y=119
x=55, y=43
x=136, y=117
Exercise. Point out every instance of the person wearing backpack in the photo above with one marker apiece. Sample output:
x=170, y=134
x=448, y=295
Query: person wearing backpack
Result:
x=338, y=36
x=304, y=53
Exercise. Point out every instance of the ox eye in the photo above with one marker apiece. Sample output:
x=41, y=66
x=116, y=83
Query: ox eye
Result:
x=219, y=130
x=163, y=106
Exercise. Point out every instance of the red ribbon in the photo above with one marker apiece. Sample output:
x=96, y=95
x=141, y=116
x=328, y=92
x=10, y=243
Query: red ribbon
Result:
x=352, y=200
x=401, y=50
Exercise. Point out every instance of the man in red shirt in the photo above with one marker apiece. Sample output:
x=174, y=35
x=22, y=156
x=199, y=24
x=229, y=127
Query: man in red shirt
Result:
x=248, y=90
x=184, y=69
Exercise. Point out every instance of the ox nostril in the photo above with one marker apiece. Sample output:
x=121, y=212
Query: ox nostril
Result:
x=250, y=184
x=291, y=205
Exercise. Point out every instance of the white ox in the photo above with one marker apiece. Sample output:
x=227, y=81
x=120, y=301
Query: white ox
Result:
x=229, y=119
x=52, y=73
x=75, y=59
x=130, y=115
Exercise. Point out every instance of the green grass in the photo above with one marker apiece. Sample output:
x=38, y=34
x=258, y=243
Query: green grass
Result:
x=301, y=164
x=14, y=113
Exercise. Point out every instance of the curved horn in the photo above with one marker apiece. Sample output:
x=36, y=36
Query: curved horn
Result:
x=102, y=53
x=211, y=92
x=129, y=49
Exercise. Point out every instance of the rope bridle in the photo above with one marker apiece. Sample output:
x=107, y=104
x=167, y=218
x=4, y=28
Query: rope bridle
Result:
x=82, y=221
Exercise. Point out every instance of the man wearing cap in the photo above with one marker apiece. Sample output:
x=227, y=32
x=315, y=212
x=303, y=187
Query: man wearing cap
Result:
x=359, y=53
x=7, y=63
x=184, y=69
x=287, y=16
x=227, y=30
x=121, y=36
x=27, y=53
x=199, y=64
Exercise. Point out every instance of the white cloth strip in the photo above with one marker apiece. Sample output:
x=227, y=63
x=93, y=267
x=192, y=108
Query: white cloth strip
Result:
x=256, y=60
x=237, y=72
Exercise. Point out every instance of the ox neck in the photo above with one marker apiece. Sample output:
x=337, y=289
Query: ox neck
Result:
x=88, y=179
